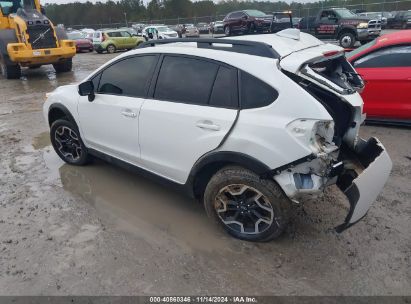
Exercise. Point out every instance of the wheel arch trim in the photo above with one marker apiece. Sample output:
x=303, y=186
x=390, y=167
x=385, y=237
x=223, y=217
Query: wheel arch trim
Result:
x=224, y=157
x=60, y=107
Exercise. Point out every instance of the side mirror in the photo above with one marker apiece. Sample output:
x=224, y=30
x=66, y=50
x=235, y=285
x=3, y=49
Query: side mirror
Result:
x=87, y=89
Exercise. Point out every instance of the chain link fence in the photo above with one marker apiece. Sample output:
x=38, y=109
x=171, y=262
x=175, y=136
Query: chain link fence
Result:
x=382, y=6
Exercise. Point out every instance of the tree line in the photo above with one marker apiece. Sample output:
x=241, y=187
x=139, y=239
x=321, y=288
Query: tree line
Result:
x=180, y=11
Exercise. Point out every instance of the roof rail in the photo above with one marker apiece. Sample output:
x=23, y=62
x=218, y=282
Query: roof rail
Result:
x=230, y=45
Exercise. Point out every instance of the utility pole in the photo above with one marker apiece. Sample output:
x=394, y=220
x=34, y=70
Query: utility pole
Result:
x=125, y=18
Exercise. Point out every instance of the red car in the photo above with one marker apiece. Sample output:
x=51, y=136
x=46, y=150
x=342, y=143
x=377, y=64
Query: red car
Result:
x=82, y=43
x=385, y=66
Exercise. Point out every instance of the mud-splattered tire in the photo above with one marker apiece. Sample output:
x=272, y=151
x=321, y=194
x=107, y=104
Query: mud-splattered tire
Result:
x=66, y=141
x=247, y=207
x=64, y=66
x=10, y=71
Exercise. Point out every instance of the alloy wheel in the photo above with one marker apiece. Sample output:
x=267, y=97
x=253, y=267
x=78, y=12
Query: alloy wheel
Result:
x=244, y=209
x=346, y=41
x=68, y=143
x=111, y=49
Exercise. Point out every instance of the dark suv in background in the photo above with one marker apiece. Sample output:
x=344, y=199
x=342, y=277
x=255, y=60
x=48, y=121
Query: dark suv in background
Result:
x=246, y=21
x=400, y=20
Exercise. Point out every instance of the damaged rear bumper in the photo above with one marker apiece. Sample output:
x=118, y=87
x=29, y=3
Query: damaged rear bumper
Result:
x=360, y=173
x=364, y=181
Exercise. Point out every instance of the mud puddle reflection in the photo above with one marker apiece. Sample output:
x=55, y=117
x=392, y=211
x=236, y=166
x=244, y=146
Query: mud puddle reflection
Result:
x=41, y=141
x=133, y=204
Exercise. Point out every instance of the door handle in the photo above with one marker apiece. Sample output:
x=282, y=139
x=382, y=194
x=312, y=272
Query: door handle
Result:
x=206, y=124
x=129, y=114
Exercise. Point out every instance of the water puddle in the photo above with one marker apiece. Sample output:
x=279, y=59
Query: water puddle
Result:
x=41, y=141
x=136, y=205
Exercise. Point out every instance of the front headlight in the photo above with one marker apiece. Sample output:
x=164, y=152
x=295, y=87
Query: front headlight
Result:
x=362, y=25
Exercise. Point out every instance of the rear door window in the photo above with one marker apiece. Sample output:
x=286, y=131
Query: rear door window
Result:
x=127, y=77
x=185, y=80
x=114, y=34
x=126, y=34
x=255, y=93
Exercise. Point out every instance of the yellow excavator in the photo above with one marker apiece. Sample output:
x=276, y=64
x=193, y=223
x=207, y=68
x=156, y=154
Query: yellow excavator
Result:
x=29, y=39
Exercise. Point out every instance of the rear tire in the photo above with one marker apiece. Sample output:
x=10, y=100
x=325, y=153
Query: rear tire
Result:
x=66, y=141
x=10, y=71
x=246, y=206
x=64, y=66
x=111, y=49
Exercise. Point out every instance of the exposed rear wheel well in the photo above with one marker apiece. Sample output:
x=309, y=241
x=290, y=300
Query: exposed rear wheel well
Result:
x=202, y=177
x=204, y=174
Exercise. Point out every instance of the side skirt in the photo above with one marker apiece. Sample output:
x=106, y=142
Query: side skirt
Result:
x=185, y=189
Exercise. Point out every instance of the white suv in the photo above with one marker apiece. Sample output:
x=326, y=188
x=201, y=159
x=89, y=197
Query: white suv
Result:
x=247, y=125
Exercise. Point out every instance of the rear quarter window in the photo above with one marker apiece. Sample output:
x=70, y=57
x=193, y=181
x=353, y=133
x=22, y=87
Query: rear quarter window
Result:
x=255, y=93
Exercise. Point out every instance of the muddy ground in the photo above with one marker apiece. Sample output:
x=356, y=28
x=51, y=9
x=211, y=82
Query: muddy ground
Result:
x=100, y=230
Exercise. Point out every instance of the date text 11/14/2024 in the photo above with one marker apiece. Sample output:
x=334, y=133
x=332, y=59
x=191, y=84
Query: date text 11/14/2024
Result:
x=203, y=299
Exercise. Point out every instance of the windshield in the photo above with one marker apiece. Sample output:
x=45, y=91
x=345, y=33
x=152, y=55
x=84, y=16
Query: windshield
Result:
x=75, y=36
x=11, y=6
x=361, y=48
x=344, y=13
x=254, y=13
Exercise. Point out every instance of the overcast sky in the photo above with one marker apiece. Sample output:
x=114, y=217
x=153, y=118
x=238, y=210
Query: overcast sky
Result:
x=145, y=1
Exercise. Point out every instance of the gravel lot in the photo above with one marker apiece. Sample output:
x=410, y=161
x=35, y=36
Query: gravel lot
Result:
x=100, y=230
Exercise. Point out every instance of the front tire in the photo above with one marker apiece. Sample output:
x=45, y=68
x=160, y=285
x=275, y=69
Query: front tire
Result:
x=227, y=31
x=347, y=40
x=246, y=206
x=66, y=141
x=251, y=29
x=64, y=66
